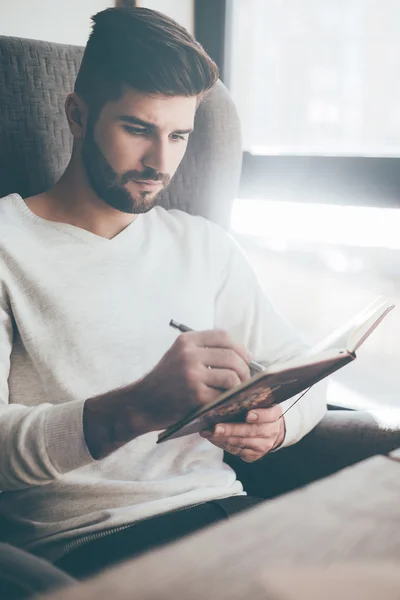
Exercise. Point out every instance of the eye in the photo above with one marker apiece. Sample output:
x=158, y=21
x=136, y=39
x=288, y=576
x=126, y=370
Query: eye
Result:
x=176, y=137
x=135, y=130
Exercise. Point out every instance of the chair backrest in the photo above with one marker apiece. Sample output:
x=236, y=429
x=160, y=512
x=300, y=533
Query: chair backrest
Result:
x=35, y=142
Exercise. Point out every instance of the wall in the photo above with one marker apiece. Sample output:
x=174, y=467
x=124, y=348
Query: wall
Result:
x=52, y=20
x=180, y=10
x=69, y=22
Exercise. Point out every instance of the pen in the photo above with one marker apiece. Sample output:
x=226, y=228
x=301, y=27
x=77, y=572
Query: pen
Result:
x=254, y=366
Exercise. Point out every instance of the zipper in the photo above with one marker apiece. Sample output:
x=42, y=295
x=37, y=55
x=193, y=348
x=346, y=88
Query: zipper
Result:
x=97, y=536
x=89, y=538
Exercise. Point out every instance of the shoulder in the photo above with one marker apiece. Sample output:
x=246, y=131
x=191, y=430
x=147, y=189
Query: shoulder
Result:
x=10, y=221
x=179, y=221
x=8, y=204
x=194, y=230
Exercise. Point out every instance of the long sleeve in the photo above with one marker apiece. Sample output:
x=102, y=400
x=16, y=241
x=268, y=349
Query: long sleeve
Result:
x=37, y=443
x=244, y=310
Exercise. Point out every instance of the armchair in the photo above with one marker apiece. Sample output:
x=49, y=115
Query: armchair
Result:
x=35, y=145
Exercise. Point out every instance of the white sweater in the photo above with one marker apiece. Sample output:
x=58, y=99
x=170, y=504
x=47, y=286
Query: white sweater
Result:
x=81, y=315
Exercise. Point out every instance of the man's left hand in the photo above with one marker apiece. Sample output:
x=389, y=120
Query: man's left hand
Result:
x=263, y=431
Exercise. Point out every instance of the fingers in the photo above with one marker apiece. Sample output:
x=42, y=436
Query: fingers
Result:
x=258, y=444
x=217, y=350
x=250, y=442
x=225, y=359
x=265, y=415
x=218, y=338
x=222, y=379
x=268, y=423
x=232, y=432
x=248, y=450
x=204, y=363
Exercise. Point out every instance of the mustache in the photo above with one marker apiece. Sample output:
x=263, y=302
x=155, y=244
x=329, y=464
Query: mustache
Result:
x=145, y=175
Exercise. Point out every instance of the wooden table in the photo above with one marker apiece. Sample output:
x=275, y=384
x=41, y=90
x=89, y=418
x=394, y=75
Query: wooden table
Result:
x=353, y=515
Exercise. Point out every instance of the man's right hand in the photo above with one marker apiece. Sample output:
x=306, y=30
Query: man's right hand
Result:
x=193, y=372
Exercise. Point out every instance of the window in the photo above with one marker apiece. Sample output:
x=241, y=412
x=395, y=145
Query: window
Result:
x=316, y=87
x=320, y=265
x=317, y=77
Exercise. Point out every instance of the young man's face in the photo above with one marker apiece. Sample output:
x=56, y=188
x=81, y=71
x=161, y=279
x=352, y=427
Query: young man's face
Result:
x=135, y=146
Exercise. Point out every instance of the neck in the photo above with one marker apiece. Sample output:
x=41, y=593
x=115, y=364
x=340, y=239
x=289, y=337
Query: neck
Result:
x=72, y=200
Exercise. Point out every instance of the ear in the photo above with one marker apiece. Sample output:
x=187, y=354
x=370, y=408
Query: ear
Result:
x=76, y=112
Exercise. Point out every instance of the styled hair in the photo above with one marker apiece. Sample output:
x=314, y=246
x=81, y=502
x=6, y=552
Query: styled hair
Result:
x=145, y=50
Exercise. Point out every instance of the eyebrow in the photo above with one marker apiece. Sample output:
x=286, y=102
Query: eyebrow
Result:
x=148, y=125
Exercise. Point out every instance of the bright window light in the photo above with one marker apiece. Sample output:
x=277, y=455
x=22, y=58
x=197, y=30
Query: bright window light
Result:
x=285, y=222
x=316, y=76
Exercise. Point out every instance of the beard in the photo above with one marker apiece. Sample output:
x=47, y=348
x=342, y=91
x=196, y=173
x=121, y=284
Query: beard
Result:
x=110, y=186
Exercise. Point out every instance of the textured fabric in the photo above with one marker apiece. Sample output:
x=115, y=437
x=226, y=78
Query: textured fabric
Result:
x=352, y=516
x=35, y=142
x=78, y=318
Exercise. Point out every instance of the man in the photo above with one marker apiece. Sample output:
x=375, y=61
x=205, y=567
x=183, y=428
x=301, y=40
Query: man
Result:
x=92, y=271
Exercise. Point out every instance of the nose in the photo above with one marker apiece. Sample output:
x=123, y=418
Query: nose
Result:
x=156, y=156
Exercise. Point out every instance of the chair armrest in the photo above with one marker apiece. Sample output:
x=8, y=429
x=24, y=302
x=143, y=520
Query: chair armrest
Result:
x=341, y=439
x=23, y=574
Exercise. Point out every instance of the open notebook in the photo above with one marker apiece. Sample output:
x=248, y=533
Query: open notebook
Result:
x=284, y=380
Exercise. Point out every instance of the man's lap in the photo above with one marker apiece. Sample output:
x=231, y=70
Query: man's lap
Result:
x=145, y=535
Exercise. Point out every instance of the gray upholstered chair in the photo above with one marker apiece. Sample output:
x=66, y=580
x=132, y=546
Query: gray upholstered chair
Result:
x=35, y=146
x=35, y=142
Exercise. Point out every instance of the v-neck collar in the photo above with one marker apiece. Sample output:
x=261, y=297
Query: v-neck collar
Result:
x=78, y=232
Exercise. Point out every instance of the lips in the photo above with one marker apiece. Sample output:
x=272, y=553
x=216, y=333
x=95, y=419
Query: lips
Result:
x=148, y=183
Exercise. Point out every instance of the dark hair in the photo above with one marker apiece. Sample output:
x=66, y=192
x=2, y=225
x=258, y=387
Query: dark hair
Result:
x=145, y=50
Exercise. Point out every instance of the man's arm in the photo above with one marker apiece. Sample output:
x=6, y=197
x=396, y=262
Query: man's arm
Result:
x=38, y=444
x=245, y=311
x=191, y=373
